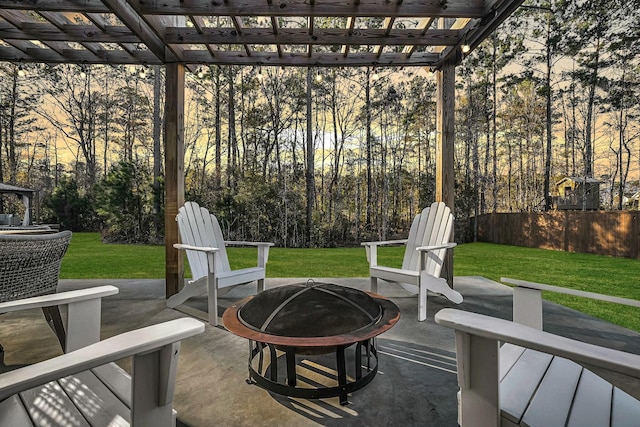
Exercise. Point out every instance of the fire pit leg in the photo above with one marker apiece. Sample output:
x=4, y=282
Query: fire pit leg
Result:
x=359, y=359
x=290, y=356
x=342, y=374
x=273, y=365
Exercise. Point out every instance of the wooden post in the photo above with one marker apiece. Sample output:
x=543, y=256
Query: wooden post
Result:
x=446, y=79
x=174, y=173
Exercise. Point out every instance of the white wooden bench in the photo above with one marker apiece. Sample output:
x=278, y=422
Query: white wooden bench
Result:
x=83, y=387
x=534, y=379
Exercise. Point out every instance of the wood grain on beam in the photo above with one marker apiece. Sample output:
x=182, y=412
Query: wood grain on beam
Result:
x=82, y=6
x=138, y=26
x=72, y=33
x=29, y=52
x=325, y=8
x=320, y=36
x=303, y=60
x=199, y=25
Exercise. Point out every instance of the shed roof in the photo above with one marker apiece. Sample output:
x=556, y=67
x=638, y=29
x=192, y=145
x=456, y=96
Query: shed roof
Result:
x=247, y=32
x=580, y=180
x=6, y=188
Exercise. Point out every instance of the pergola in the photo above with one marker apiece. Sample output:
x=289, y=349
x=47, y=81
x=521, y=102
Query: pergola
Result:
x=182, y=34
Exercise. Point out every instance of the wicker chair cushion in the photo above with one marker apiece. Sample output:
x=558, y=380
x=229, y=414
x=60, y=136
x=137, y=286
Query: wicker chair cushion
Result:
x=30, y=264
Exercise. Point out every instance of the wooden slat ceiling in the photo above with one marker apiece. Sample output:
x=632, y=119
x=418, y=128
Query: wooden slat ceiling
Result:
x=247, y=32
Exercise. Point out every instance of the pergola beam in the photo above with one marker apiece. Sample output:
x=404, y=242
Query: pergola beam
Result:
x=329, y=8
x=140, y=27
x=320, y=36
x=302, y=59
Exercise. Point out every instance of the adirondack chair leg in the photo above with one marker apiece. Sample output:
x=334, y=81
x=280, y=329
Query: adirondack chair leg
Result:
x=422, y=303
x=374, y=284
x=260, y=285
x=190, y=290
x=213, y=303
x=439, y=286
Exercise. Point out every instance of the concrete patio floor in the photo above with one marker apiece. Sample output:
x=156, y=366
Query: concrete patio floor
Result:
x=416, y=383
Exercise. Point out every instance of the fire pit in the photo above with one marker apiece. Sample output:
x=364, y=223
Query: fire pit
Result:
x=287, y=323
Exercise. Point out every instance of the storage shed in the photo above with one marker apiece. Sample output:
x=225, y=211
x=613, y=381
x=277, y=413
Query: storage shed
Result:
x=575, y=193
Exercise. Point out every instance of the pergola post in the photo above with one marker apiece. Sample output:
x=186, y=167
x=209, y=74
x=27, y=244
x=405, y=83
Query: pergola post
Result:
x=445, y=127
x=174, y=173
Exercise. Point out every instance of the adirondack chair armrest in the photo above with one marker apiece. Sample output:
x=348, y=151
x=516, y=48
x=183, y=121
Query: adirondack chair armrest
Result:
x=83, y=312
x=371, y=249
x=182, y=246
x=500, y=330
x=477, y=354
x=263, y=249
x=385, y=243
x=61, y=298
x=436, y=247
x=243, y=243
x=162, y=338
x=527, y=300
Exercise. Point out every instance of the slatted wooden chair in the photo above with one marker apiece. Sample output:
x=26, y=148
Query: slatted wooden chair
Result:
x=30, y=266
x=83, y=387
x=536, y=379
x=423, y=258
x=202, y=239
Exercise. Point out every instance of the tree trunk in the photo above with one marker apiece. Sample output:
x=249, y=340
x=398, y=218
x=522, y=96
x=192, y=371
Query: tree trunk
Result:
x=310, y=162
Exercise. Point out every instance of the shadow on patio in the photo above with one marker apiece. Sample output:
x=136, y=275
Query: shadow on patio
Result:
x=416, y=383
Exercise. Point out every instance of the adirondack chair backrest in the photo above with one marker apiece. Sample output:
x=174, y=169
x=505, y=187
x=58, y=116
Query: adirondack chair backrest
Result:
x=198, y=227
x=430, y=227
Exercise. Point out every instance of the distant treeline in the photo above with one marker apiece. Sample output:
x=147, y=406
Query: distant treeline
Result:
x=331, y=157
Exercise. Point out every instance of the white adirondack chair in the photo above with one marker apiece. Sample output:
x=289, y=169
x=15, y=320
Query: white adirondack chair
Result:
x=424, y=254
x=83, y=387
x=205, y=246
x=515, y=374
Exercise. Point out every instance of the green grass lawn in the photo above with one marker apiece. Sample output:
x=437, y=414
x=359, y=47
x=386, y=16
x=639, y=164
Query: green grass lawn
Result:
x=89, y=258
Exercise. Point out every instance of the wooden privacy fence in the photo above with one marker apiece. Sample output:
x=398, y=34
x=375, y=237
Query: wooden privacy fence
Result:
x=613, y=233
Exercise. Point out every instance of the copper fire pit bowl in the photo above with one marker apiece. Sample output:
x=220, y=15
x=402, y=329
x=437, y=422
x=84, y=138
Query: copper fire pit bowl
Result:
x=289, y=323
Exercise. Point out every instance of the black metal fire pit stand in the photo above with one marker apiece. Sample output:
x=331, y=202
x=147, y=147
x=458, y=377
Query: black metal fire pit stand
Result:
x=314, y=321
x=267, y=376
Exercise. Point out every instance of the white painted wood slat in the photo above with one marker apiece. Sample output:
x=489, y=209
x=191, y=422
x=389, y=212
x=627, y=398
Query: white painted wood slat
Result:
x=49, y=405
x=592, y=403
x=551, y=404
x=625, y=410
x=519, y=385
x=94, y=400
x=13, y=413
x=509, y=355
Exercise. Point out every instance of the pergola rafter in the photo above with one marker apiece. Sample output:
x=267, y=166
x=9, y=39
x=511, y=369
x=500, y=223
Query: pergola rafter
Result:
x=183, y=34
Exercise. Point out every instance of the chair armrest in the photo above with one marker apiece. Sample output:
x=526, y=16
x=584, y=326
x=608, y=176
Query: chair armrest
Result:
x=138, y=342
x=385, y=243
x=243, y=243
x=83, y=312
x=569, y=291
x=60, y=298
x=184, y=247
x=501, y=330
x=435, y=247
x=371, y=249
x=527, y=300
x=263, y=249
